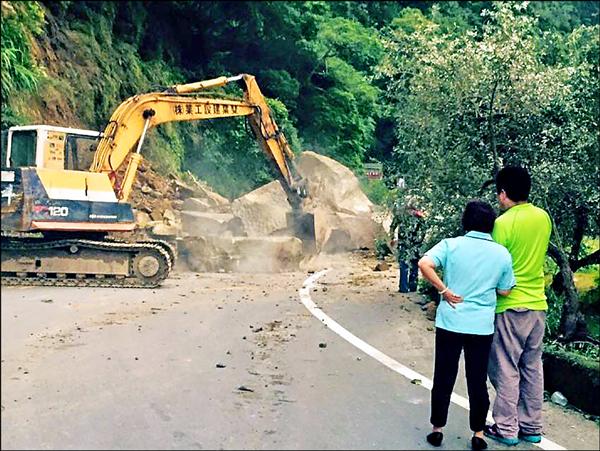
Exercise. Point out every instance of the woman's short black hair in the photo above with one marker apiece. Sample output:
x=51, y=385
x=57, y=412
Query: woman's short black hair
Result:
x=478, y=216
x=515, y=181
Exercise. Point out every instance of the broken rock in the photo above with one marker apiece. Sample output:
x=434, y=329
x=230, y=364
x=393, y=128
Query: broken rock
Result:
x=264, y=210
x=207, y=254
x=142, y=219
x=381, y=266
x=204, y=192
x=156, y=215
x=195, y=204
x=169, y=216
x=162, y=229
x=183, y=188
x=195, y=223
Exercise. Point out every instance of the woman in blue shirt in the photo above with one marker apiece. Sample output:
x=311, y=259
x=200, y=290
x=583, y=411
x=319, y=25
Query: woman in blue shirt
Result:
x=475, y=269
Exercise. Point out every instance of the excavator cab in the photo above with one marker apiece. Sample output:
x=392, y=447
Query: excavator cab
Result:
x=49, y=147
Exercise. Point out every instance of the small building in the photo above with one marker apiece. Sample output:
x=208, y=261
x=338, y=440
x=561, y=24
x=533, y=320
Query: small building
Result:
x=373, y=171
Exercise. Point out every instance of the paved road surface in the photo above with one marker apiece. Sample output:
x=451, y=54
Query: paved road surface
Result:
x=137, y=369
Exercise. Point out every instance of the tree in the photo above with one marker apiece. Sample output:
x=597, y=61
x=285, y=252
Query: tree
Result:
x=338, y=103
x=470, y=103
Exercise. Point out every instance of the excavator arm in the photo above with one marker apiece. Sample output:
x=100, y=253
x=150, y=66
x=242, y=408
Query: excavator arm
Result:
x=132, y=119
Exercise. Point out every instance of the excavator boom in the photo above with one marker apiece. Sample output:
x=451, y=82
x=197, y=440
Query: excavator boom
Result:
x=131, y=120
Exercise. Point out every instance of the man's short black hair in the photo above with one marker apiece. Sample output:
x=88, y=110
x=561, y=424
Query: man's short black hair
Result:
x=515, y=181
x=478, y=216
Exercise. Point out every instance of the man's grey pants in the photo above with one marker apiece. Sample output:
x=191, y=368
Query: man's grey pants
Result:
x=515, y=370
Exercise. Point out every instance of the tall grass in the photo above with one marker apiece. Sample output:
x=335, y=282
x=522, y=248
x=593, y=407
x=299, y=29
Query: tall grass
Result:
x=19, y=70
x=20, y=73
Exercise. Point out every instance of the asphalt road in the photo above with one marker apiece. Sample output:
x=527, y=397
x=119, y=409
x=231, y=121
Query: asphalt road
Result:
x=222, y=361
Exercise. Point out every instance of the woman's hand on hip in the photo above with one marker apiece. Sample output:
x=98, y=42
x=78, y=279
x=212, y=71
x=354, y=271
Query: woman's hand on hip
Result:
x=452, y=298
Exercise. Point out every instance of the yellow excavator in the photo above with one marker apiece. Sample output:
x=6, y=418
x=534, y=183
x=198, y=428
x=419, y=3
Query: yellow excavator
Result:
x=56, y=218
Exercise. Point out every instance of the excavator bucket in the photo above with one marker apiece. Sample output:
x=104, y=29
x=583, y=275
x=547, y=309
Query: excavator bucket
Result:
x=302, y=226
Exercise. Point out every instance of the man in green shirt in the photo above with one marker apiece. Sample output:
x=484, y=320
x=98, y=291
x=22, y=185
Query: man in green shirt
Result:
x=515, y=366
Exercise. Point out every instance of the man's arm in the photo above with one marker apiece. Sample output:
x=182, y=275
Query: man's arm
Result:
x=392, y=233
x=507, y=280
x=394, y=224
x=427, y=267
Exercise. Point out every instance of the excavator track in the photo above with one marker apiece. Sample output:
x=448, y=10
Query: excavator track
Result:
x=85, y=262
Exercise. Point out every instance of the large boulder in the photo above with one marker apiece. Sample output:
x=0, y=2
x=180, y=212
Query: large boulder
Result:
x=195, y=223
x=264, y=210
x=208, y=253
x=341, y=232
x=332, y=185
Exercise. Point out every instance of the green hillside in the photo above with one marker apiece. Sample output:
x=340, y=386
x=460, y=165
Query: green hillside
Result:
x=71, y=63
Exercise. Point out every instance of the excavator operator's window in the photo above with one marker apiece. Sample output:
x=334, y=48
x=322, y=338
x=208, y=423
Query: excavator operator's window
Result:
x=4, y=147
x=22, y=149
x=79, y=152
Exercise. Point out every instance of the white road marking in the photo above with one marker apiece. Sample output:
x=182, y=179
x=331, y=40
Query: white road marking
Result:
x=545, y=444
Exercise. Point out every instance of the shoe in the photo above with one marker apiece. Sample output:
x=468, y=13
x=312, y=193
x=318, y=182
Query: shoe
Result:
x=478, y=443
x=531, y=438
x=492, y=432
x=435, y=438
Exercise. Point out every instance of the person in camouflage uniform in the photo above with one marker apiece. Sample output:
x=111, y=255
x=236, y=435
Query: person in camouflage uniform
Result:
x=408, y=232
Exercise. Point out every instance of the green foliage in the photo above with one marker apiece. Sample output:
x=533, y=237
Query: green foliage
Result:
x=376, y=191
x=501, y=93
x=21, y=21
x=280, y=85
x=410, y=20
x=565, y=16
x=225, y=154
x=315, y=62
x=350, y=41
x=428, y=291
x=555, y=306
x=382, y=249
x=337, y=125
x=470, y=103
x=338, y=108
x=282, y=117
x=585, y=354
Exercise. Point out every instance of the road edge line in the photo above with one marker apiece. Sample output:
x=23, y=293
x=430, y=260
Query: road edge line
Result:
x=375, y=353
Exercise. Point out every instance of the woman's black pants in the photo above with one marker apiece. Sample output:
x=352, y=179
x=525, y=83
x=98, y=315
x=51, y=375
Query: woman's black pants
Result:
x=448, y=346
